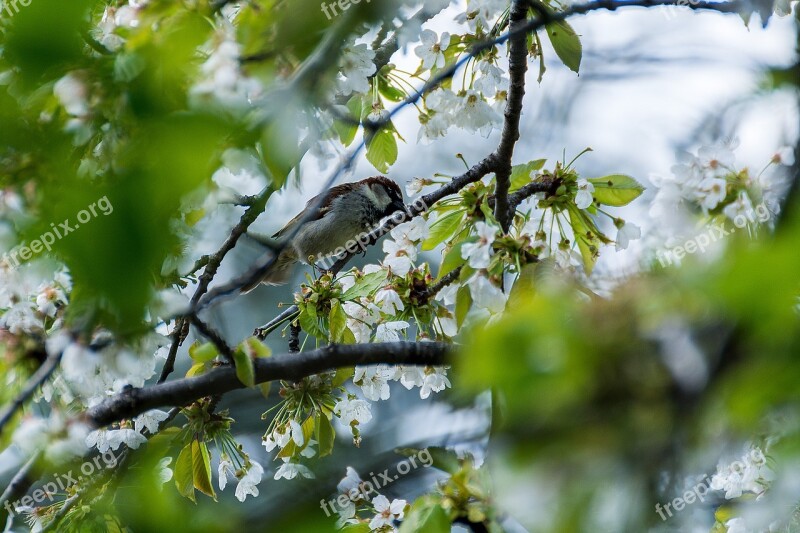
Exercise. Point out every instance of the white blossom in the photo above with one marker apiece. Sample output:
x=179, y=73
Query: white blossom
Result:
x=399, y=257
x=409, y=376
x=415, y=186
x=431, y=51
x=289, y=470
x=784, y=156
x=742, y=206
x=411, y=232
x=374, y=382
x=248, y=484
x=583, y=197
x=149, y=420
x=627, y=233
x=356, y=66
x=491, y=78
x=475, y=114
x=479, y=253
x=73, y=94
x=435, y=381
x=353, y=411
x=387, y=512
x=389, y=301
x=711, y=192
x=389, y=331
x=225, y=467
x=485, y=294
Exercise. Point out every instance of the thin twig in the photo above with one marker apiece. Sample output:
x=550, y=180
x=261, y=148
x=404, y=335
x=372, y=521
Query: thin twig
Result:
x=41, y=375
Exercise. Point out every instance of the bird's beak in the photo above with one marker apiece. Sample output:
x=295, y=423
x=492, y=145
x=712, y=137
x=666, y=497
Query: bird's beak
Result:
x=397, y=205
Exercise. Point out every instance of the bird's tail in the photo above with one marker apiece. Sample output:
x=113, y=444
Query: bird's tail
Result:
x=279, y=273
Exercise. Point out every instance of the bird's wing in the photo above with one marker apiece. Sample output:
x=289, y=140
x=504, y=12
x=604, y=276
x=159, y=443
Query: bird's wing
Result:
x=318, y=214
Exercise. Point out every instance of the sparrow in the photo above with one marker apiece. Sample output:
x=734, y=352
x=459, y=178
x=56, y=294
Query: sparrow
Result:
x=345, y=212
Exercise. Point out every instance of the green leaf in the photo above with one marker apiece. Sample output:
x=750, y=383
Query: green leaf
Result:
x=588, y=243
x=245, y=370
x=382, y=149
x=566, y=44
x=184, y=478
x=442, y=229
x=347, y=131
x=281, y=144
x=196, y=369
x=365, y=286
x=387, y=89
x=202, y=353
x=309, y=322
x=337, y=321
x=452, y=260
x=342, y=375
x=525, y=285
x=256, y=349
x=521, y=174
x=616, y=190
x=309, y=429
x=426, y=515
x=325, y=435
x=463, y=304
x=201, y=468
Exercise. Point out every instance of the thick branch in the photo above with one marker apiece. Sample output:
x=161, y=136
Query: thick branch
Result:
x=517, y=67
x=291, y=367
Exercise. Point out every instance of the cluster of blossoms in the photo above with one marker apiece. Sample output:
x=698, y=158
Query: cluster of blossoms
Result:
x=711, y=183
x=116, y=21
x=381, y=513
x=750, y=475
x=248, y=473
x=222, y=80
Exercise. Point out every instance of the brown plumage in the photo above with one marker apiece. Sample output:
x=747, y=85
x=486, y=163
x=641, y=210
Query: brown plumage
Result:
x=346, y=211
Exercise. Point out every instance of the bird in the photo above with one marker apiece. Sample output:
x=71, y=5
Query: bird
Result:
x=344, y=212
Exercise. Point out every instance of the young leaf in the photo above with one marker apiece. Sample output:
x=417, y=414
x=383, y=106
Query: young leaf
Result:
x=442, y=229
x=325, y=435
x=202, y=353
x=184, y=479
x=245, y=370
x=365, y=286
x=201, y=469
x=616, y=190
x=308, y=320
x=521, y=174
x=337, y=321
x=452, y=260
x=426, y=515
x=566, y=44
x=255, y=348
x=525, y=285
x=463, y=303
x=587, y=240
x=342, y=375
x=382, y=149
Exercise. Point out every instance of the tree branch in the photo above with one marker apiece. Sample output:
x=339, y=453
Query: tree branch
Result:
x=291, y=367
x=181, y=329
x=41, y=375
x=546, y=185
x=517, y=67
